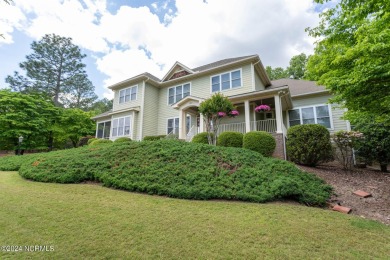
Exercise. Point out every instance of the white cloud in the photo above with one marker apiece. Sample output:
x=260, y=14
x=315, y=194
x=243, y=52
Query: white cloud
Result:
x=195, y=34
x=10, y=18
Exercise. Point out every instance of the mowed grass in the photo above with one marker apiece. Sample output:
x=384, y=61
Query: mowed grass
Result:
x=84, y=221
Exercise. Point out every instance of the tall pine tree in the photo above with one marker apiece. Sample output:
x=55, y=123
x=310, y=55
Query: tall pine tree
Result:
x=55, y=68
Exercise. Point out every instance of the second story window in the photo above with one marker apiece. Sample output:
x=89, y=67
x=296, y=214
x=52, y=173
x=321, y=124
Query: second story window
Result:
x=226, y=81
x=177, y=93
x=128, y=94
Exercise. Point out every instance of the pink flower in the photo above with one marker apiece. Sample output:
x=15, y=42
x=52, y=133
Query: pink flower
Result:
x=233, y=113
x=262, y=108
x=221, y=114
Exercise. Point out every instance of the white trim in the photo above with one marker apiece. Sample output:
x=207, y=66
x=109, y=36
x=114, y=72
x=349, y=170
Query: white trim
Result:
x=124, y=97
x=99, y=122
x=174, y=87
x=183, y=68
x=253, y=77
x=315, y=114
x=220, y=81
x=141, y=121
x=124, y=120
x=166, y=126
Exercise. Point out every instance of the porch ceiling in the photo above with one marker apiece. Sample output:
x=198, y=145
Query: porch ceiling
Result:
x=283, y=92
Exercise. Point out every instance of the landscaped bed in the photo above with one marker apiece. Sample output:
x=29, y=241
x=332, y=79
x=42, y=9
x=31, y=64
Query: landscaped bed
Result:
x=176, y=169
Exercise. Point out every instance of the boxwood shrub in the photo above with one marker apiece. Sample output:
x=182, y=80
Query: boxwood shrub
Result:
x=259, y=141
x=100, y=141
x=309, y=144
x=91, y=140
x=230, y=139
x=154, y=137
x=201, y=138
x=122, y=140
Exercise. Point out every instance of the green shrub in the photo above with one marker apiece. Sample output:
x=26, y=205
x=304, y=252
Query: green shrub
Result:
x=200, y=138
x=230, y=139
x=309, y=144
x=259, y=141
x=91, y=140
x=85, y=140
x=154, y=137
x=122, y=140
x=100, y=141
x=179, y=169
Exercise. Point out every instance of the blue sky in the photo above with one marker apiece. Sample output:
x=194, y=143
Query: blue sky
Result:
x=127, y=37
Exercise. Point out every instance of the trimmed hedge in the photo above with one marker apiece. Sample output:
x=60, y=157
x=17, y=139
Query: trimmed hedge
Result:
x=154, y=137
x=309, y=144
x=100, y=141
x=201, y=138
x=122, y=140
x=179, y=169
x=230, y=139
x=259, y=141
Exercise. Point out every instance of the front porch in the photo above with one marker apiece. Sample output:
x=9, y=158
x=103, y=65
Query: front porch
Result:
x=248, y=120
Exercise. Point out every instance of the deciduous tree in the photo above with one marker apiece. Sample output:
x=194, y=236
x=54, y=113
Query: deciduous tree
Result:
x=213, y=110
x=352, y=55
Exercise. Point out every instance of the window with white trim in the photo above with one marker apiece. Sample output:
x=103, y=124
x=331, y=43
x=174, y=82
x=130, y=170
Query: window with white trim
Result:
x=310, y=115
x=226, y=81
x=128, y=94
x=173, y=126
x=121, y=126
x=103, y=130
x=177, y=93
x=174, y=123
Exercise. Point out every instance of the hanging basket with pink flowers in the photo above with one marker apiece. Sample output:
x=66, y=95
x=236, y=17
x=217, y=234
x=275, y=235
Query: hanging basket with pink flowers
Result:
x=233, y=113
x=262, y=108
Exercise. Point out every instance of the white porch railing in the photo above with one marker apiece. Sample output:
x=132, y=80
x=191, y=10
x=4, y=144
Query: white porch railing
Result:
x=234, y=127
x=191, y=133
x=268, y=125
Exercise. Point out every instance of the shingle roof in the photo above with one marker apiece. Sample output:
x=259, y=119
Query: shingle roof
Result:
x=151, y=76
x=103, y=114
x=298, y=86
x=220, y=63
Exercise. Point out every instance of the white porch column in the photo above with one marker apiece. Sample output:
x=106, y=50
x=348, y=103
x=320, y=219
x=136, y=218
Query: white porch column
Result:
x=182, y=124
x=247, y=117
x=278, y=114
x=201, y=123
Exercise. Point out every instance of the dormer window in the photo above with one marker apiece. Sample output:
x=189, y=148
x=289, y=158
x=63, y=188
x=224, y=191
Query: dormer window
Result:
x=128, y=94
x=177, y=93
x=226, y=81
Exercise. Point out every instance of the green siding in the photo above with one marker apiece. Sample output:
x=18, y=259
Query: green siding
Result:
x=258, y=83
x=336, y=112
x=151, y=110
x=131, y=103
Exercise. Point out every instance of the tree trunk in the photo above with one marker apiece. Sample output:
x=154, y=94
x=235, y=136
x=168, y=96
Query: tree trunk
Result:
x=383, y=167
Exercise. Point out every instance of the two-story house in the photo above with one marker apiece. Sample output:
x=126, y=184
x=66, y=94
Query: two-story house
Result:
x=145, y=105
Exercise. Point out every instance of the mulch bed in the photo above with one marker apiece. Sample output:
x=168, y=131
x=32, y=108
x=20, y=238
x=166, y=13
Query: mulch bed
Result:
x=368, y=179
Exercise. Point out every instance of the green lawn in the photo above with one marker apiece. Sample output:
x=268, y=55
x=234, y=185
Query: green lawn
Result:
x=89, y=221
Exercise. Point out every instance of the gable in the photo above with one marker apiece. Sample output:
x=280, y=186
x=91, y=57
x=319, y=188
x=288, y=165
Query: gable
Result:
x=178, y=70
